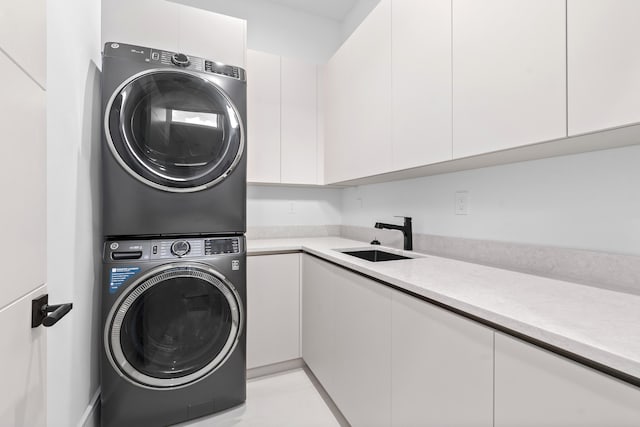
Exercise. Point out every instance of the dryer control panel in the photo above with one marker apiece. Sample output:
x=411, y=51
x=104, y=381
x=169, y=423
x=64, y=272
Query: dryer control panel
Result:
x=163, y=58
x=179, y=248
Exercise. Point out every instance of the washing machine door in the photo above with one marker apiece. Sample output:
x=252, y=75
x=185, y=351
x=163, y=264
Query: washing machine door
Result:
x=174, y=130
x=175, y=325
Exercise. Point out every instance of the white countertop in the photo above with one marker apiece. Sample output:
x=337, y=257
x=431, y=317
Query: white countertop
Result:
x=598, y=324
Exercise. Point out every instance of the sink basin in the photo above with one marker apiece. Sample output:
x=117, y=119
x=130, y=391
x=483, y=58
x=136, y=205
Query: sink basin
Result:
x=375, y=255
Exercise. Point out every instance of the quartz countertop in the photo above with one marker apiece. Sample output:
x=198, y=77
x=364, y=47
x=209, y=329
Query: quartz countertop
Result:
x=597, y=324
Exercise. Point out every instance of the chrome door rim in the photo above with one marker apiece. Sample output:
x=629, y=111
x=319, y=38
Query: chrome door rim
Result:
x=153, y=184
x=113, y=325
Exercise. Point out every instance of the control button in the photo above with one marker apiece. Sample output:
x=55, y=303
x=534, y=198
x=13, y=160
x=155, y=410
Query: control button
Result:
x=114, y=246
x=180, y=248
x=155, y=249
x=180, y=59
x=155, y=56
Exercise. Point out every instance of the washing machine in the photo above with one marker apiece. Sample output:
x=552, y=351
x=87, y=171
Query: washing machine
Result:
x=173, y=329
x=174, y=144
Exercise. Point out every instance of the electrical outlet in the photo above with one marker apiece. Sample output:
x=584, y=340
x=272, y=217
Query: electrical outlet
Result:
x=292, y=207
x=462, y=203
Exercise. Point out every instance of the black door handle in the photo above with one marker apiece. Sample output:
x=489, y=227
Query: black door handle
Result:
x=40, y=310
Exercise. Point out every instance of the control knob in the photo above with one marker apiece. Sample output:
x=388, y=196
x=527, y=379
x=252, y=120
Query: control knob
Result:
x=180, y=248
x=180, y=59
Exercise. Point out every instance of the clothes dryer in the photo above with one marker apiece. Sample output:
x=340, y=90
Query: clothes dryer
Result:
x=174, y=144
x=174, y=342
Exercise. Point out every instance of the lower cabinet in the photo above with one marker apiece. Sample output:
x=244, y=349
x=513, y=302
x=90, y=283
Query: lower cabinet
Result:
x=347, y=340
x=389, y=359
x=442, y=367
x=386, y=358
x=273, y=309
x=534, y=387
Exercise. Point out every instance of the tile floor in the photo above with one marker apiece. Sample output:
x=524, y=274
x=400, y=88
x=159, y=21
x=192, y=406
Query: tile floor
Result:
x=288, y=399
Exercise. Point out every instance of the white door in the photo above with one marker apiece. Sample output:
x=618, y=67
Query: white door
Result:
x=22, y=215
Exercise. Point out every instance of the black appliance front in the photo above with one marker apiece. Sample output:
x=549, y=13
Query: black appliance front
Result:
x=173, y=323
x=175, y=327
x=174, y=158
x=174, y=131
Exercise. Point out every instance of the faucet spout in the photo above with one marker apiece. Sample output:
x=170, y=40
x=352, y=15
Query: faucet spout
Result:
x=406, y=231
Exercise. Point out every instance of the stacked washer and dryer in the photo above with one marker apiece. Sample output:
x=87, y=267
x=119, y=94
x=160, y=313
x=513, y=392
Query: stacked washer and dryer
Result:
x=174, y=215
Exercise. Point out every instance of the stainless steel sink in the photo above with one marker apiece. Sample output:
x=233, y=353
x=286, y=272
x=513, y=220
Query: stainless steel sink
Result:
x=375, y=255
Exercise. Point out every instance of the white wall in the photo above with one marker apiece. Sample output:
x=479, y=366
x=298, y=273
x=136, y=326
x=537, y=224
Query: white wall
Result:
x=277, y=206
x=280, y=30
x=73, y=216
x=586, y=201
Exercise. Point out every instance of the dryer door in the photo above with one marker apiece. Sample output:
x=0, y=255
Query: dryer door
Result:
x=174, y=130
x=175, y=326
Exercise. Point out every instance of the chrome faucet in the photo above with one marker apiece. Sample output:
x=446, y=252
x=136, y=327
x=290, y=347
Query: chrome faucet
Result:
x=406, y=231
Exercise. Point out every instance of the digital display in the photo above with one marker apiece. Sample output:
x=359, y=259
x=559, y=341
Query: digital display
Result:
x=221, y=246
x=226, y=70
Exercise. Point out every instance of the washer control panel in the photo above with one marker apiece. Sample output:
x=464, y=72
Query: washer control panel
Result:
x=181, y=248
x=163, y=58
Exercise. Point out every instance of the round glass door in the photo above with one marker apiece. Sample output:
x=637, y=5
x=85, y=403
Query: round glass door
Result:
x=174, y=130
x=174, y=327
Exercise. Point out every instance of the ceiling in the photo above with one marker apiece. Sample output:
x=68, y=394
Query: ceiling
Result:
x=332, y=9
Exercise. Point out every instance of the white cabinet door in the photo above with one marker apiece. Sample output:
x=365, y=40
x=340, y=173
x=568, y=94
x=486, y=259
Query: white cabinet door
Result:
x=534, y=387
x=355, y=322
x=358, y=115
x=509, y=74
x=213, y=36
x=172, y=26
x=442, y=367
x=273, y=301
x=318, y=321
x=150, y=23
x=421, y=82
x=363, y=348
x=299, y=117
x=263, y=117
x=322, y=108
x=604, y=64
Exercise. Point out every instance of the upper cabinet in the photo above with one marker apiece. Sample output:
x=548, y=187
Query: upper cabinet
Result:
x=184, y=29
x=282, y=120
x=421, y=82
x=298, y=139
x=263, y=117
x=137, y=22
x=604, y=64
x=210, y=35
x=509, y=74
x=358, y=101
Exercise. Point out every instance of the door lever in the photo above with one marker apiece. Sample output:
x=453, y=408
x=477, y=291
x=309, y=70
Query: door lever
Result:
x=40, y=310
